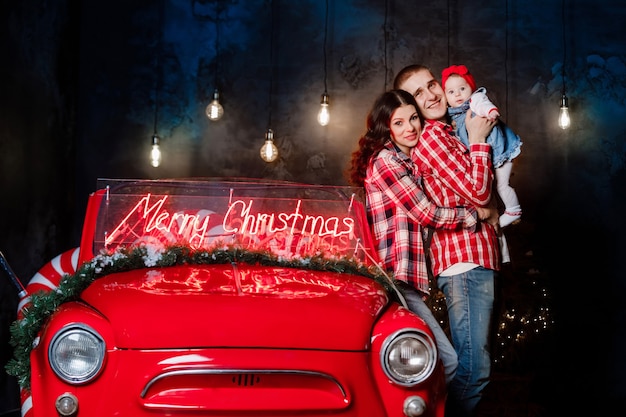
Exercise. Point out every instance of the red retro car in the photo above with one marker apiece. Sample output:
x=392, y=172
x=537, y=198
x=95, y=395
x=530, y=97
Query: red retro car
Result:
x=211, y=297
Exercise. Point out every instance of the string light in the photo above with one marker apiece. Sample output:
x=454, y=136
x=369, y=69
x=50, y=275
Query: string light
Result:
x=524, y=322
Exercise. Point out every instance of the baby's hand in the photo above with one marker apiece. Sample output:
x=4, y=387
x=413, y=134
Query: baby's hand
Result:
x=493, y=115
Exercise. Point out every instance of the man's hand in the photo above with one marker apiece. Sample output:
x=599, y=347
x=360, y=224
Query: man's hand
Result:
x=478, y=128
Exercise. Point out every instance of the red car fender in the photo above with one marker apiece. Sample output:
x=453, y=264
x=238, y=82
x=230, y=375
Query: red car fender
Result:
x=433, y=390
x=44, y=396
x=46, y=279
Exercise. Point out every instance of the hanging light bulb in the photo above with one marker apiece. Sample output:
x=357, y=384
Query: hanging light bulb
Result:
x=323, y=117
x=155, y=153
x=214, y=110
x=564, y=120
x=269, y=151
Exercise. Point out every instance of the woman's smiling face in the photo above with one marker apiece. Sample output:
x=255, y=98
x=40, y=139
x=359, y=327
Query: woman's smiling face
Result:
x=405, y=127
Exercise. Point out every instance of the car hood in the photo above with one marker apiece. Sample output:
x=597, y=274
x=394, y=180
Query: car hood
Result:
x=193, y=306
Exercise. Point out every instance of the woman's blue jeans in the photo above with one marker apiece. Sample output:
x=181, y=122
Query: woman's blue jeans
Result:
x=446, y=351
x=470, y=301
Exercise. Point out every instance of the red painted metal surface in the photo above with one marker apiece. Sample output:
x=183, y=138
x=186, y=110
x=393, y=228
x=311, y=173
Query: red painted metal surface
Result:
x=229, y=339
x=219, y=305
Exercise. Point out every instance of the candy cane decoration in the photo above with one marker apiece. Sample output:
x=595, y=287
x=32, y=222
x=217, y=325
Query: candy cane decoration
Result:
x=47, y=278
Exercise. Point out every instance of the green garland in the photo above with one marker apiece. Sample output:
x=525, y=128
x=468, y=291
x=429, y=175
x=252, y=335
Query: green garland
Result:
x=42, y=304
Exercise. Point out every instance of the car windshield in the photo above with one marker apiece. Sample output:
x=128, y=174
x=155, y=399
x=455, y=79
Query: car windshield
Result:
x=289, y=220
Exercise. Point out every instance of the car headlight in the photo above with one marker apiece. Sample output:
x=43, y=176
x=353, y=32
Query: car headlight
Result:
x=76, y=354
x=408, y=357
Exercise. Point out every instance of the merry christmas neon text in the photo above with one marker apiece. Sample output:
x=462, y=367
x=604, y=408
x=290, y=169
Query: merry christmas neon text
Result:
x=150, y=218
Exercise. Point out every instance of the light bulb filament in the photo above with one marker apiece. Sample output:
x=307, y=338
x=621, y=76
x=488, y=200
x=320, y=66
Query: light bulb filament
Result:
x=323, y=116
x=269, y=151
x=155, y=153
x=214, y=110
x=564, y=119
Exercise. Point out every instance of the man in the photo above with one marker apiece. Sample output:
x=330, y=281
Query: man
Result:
x=463, y=261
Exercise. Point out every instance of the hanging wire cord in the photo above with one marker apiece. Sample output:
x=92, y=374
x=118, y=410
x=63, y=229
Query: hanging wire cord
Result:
x=325, y=38
x=157, y=66
x=218, y=10
x=506, y=58
x=448, y=32
x=564, y=46
x=271, y=89
x=385, y=34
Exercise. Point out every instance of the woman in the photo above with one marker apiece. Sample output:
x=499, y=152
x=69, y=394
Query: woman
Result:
x=397, y=207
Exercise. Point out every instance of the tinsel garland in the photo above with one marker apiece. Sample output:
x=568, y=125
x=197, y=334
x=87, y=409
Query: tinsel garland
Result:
x=43, y=304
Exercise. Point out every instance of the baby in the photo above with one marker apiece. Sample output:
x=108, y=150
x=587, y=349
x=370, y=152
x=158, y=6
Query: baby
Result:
x=462, y=95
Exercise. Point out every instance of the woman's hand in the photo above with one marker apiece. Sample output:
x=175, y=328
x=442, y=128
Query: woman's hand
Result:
x=478, y=128
x=488, y=214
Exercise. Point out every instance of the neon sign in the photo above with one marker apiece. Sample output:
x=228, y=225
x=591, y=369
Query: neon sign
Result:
x=300, y=228
x=293, y=222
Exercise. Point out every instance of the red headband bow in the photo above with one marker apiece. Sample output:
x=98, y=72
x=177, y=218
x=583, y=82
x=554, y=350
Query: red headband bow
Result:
x=461, y=71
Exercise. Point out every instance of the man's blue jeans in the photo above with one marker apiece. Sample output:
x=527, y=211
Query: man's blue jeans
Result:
x=470, y=299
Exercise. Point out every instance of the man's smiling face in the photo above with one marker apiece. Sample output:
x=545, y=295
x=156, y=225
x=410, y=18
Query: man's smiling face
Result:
x=428, y=93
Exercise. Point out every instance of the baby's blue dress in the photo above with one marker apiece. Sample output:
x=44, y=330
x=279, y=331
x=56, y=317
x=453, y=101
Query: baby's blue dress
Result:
x=505, y=144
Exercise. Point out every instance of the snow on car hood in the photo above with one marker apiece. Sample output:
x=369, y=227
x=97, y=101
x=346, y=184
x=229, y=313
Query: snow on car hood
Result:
x=238, y=306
